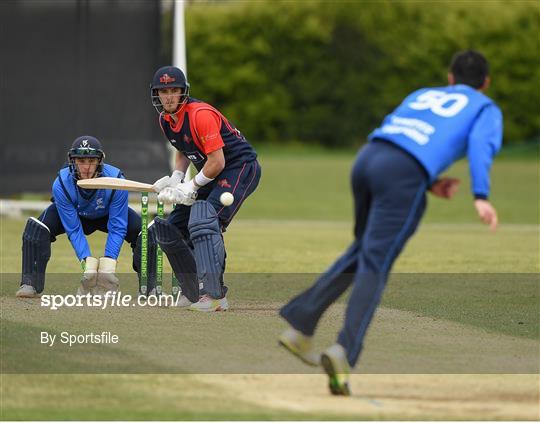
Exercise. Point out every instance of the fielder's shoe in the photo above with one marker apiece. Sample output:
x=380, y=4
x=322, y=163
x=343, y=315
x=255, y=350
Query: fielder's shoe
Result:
x=27, y=291
x=183, y=302
x=209, y=304
x=300, y=345
x=336, y=366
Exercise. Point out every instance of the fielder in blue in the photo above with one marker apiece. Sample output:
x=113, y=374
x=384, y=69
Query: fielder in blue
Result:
x=78, y=212
x=431, y=129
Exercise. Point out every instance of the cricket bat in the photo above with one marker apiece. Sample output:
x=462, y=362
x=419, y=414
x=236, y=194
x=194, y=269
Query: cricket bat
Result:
x=115, y=183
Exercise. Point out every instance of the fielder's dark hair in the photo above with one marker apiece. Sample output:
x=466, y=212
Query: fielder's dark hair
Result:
x=469, y=67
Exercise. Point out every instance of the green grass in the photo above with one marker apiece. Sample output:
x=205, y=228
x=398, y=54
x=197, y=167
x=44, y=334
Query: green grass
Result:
x=316, y=187
x=458, y=290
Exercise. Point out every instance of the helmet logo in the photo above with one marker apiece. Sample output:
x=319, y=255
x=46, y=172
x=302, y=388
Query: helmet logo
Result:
x=166, y=79
x=84, y=143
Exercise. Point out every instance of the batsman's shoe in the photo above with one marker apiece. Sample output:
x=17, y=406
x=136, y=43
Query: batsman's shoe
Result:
x=208, y=304
x=336, y=366
x=83, y=291
x=300, y=345
x=27, y=291
x=183, y=302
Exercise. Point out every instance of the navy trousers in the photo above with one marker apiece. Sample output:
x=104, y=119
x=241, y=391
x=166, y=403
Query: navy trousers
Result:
x=389, y=188
x=241, y=182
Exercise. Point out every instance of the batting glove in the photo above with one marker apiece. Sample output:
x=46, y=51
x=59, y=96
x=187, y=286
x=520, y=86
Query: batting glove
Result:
x=168, y=181
x=176, y=178
x=185, y=193
x=161, y=184
x=166, y=196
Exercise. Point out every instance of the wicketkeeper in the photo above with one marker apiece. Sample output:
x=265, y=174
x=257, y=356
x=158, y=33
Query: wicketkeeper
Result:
x=78, y=212
x=192, y=235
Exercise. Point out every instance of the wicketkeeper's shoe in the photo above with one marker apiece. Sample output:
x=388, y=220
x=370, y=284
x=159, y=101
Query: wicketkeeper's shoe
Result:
x=301, y=346
x=27, y=291
x=336, y=366
x=208, y=304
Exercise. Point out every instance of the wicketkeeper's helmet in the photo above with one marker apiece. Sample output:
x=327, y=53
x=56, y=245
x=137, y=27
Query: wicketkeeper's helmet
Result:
x=85, y=146
x=167, y=77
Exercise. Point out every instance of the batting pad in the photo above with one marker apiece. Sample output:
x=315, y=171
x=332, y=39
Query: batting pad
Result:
x=180, y=257
x=36, y=251
x=208, y=245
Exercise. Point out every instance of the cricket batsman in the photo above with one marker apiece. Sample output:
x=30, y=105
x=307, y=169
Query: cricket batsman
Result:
x=431, y=129
x=79, y=212
x=191, y=237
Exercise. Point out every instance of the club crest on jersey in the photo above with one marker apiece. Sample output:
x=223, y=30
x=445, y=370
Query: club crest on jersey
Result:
x=223, y=183
x=99, y=203
x=166, y=79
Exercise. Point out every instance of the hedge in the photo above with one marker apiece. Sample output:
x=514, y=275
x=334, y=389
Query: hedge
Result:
x=328, y=72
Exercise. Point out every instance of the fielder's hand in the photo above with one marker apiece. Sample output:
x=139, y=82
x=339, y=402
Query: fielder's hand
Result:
x=106, y=279
x=445, y=187
x=89, y=277
x=487, y=213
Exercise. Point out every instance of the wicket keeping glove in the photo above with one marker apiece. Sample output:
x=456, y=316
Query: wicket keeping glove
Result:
x=106, y=279
x=89, y=277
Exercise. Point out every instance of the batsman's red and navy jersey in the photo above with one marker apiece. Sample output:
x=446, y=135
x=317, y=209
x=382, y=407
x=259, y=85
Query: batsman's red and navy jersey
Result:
x=201, y=129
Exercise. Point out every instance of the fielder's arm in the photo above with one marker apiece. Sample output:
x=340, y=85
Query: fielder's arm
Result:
x=71, y=222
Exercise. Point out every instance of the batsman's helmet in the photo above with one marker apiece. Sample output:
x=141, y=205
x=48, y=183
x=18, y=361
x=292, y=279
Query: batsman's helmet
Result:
x=85, y=146
x=168, y=77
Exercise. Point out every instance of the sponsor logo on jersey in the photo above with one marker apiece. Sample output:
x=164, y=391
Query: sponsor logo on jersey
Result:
x=223, y=183
x=194, y=156
x=187, y=139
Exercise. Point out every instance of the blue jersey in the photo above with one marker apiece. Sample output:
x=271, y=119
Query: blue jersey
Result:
x=441, y=125
x=73, y=203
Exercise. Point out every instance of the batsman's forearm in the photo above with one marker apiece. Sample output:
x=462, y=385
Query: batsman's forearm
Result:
x=211, y=170
x=215, y=164
x=181, y=162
